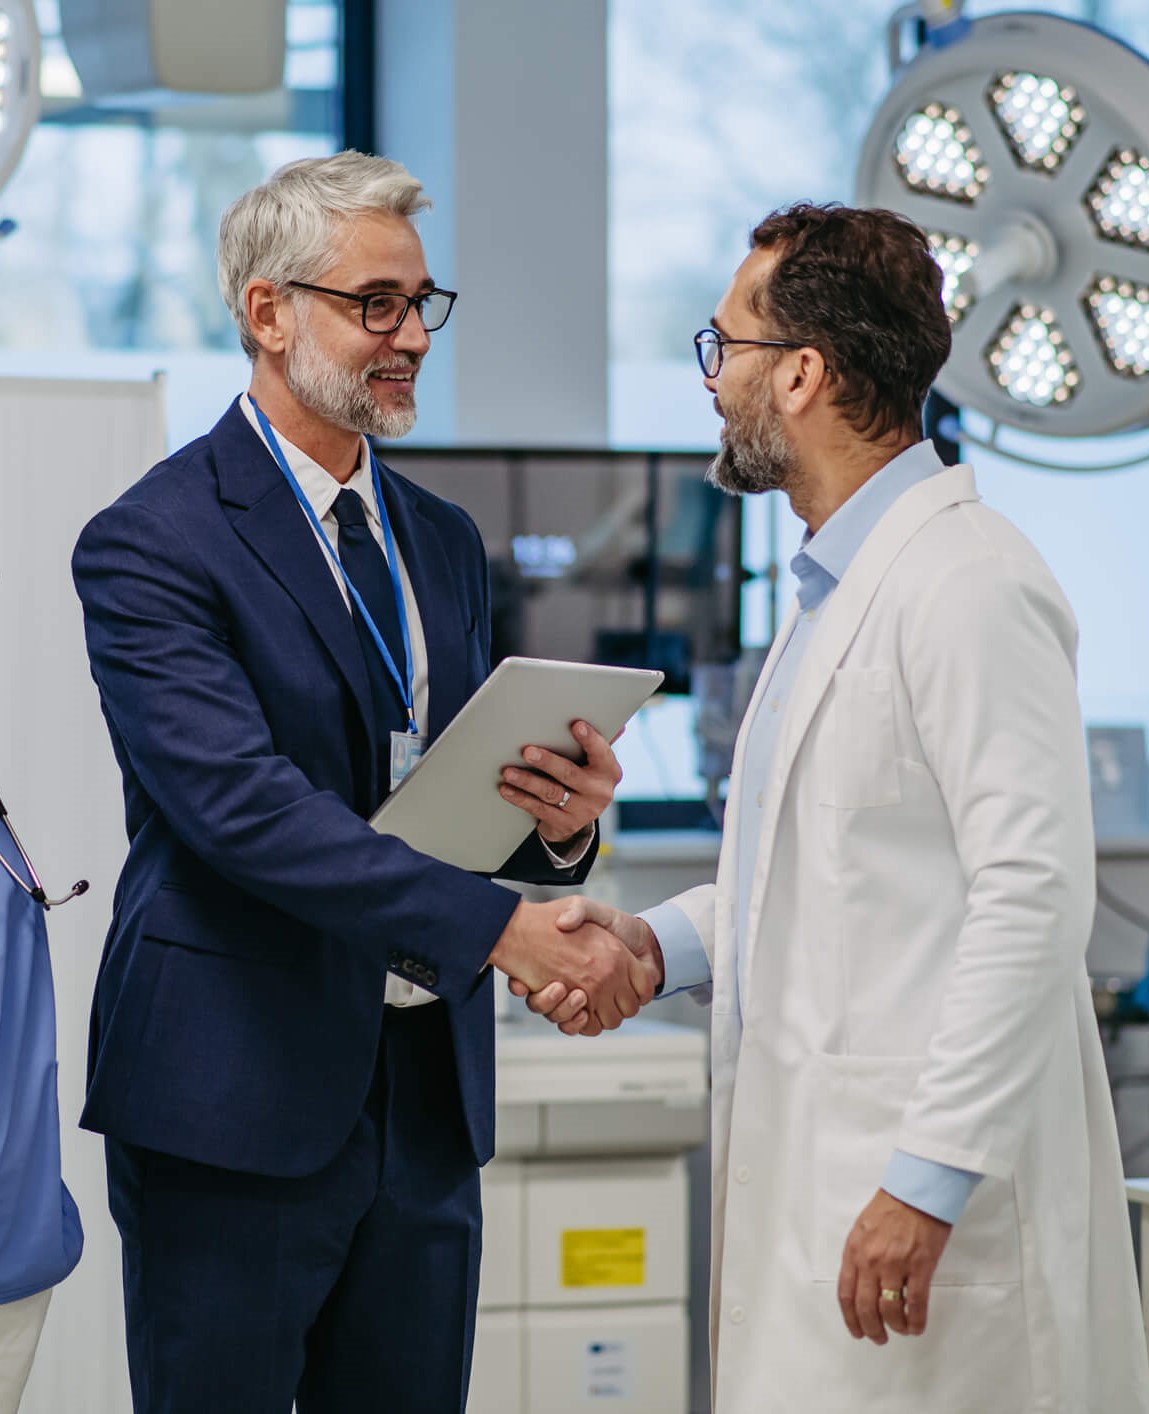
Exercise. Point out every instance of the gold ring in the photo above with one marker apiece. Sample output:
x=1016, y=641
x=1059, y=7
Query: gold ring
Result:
x=889, y=1295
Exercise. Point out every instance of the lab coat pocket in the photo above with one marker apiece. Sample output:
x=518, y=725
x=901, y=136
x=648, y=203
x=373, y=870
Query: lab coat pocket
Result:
x=857, y=1105
x=860, y=768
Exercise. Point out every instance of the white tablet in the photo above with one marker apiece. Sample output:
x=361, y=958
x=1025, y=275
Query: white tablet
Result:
x=450, y=806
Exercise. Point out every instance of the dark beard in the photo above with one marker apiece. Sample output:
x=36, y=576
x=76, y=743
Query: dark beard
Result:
x=754, y=457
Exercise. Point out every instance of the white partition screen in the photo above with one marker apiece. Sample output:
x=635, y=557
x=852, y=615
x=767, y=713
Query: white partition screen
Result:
x=67, y=448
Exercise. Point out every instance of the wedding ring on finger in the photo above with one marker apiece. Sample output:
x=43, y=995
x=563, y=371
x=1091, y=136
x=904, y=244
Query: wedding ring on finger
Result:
x=562, y=805
x=889, y=1294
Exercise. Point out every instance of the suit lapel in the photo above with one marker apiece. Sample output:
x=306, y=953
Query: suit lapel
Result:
x=266, y=516
x=846, y=609
x=433, y=581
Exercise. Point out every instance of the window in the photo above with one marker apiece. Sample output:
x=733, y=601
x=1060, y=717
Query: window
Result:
x=719, y=113
x=111, y=269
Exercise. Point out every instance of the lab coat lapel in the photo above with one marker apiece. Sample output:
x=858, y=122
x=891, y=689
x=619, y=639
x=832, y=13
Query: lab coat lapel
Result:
x=725, y=942
x=845, y=610
x=266, y=516
x=433, y=582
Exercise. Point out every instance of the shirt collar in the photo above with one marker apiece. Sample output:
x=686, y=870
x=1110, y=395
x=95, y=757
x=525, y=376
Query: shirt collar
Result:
x=825, y=557
x=319, y=486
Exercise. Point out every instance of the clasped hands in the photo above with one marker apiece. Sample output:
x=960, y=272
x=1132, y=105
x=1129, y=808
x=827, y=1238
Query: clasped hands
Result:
x=582, y=964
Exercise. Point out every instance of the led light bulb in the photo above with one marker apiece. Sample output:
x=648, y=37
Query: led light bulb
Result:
x=1119, y=198
x=956, y=258
x=1030, y=359
x=1119, y=310
x=1041, y=117
x=935, y=152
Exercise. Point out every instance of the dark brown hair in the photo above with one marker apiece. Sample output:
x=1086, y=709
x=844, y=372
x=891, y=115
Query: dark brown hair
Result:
x=861, y=287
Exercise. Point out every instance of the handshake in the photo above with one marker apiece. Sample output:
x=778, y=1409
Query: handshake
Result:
x=582, y=964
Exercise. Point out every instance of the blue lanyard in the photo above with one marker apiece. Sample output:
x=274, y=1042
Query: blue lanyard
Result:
x=406, y=689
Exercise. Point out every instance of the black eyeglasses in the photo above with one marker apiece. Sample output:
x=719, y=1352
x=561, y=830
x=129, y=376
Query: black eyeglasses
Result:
x=384, y=312
x=709, y=343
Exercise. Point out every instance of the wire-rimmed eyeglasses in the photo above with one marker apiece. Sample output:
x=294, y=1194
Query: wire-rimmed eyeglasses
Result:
x=384, y=311
x=709, y=343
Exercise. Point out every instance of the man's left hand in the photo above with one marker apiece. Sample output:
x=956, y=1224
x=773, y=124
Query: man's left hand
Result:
x=564, y=797
x=892, y=1248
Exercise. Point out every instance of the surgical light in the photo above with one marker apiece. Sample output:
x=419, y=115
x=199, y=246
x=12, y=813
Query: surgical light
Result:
x=1119, y=198
x=935, y=151
x=1044, y=250
x=956, y=258
x=1120, y=313
x=19, y=81
x=1031, y=360
x=1041, y=117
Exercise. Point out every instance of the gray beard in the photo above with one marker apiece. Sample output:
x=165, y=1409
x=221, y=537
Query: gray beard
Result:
x=341, y=397
x=754, y=457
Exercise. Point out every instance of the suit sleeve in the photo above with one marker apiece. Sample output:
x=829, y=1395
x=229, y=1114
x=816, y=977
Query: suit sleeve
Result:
x=989, y=664
x=185, y=715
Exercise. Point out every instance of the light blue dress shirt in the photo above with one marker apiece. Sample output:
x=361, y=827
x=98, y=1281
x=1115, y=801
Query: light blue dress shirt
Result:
x=819, y=566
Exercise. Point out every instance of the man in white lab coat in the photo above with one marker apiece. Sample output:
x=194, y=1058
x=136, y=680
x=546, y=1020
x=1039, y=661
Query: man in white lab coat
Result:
x=912, y=1129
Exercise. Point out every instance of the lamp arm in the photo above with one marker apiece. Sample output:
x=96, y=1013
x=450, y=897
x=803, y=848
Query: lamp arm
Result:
x=940, y=14
x=943, y=24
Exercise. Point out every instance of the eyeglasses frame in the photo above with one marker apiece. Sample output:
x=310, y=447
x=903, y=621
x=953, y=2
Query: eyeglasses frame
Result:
x=364, y=300
x=719, y=342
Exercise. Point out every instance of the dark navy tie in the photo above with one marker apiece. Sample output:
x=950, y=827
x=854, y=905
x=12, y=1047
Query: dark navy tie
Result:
x=367, y=569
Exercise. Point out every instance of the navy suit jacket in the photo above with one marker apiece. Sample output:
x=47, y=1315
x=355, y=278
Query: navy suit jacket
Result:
x=239, y=1002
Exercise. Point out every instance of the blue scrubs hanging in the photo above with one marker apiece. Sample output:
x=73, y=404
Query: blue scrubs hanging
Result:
x=40, y=1233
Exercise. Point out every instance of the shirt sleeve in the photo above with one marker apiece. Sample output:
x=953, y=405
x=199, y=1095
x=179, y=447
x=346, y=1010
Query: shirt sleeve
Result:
x=566, y=856
x=935, y=1188
x=683, y=957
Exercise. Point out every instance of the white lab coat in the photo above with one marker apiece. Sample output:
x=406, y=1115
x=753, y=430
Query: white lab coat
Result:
x=914, y=978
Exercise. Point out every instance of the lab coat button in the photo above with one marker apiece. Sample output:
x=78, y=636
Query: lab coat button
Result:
x=742, y=1173
x=737, y=1315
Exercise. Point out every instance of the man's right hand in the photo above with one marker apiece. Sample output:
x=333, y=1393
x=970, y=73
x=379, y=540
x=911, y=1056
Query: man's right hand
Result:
x=566, y=1008
x=581, y=961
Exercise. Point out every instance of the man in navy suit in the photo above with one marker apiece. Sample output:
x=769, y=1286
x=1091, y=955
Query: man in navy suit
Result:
x=291, y=1052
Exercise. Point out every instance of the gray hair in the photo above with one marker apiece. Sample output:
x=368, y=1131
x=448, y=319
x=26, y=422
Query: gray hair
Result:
x=286, y=229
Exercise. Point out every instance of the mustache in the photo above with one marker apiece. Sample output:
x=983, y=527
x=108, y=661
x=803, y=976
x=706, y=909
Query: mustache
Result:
x=407, y=363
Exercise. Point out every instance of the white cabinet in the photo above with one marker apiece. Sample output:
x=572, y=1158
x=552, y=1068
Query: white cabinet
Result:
x=582, y=1297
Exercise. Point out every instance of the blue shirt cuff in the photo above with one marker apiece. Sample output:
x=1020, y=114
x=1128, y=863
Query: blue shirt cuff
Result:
x=936, y=1189
x=683, y=956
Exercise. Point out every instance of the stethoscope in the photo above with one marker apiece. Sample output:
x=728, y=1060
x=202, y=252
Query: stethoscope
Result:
x=34, y=890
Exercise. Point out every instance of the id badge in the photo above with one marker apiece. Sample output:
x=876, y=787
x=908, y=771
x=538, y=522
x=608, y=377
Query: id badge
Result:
x=406, y=752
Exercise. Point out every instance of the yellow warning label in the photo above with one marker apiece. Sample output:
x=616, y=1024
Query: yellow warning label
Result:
x=604, y=1256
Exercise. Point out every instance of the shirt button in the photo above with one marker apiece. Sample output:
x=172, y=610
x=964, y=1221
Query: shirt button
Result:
x=774, y=705
x=758, y=799
x=737, y=1315
x=810, y=613
x=742, y=1173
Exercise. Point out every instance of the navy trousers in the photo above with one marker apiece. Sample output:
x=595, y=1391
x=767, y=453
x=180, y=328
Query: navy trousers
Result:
x=349, y=1291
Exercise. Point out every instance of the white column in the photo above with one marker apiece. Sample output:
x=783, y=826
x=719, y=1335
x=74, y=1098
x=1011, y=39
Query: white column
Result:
x=499, y=108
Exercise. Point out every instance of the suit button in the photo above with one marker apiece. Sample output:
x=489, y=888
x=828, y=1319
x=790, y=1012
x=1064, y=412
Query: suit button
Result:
x=737, y=1315
x=408, y=967
x=431, y=978
x=742, y=1173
